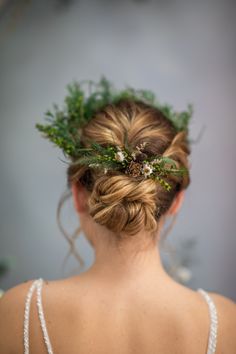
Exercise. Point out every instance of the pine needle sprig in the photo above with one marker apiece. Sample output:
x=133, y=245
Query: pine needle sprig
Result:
x=110, y=158
x=64, y=126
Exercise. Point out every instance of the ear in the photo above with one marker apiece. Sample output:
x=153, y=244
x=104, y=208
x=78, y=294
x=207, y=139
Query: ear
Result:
x=79, y=197
x=177, y=202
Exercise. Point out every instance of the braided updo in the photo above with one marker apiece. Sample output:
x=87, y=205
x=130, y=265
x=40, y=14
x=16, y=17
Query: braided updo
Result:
x=124, y=203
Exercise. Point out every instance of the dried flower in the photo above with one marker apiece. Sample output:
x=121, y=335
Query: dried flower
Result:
x=142, y=146
x=156, y=161
x=119, y=156
x=147, y=169
x=133, y=155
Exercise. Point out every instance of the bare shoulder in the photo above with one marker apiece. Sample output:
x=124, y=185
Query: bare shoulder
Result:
x=225, y=305
x=226, y=309
x=13, y=296
x=12, y=316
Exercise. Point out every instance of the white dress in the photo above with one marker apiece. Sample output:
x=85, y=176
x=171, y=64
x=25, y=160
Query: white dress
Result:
x=38, y=285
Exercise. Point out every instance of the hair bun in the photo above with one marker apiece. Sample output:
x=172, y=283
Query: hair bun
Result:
x=129, y=203
x=123, y=204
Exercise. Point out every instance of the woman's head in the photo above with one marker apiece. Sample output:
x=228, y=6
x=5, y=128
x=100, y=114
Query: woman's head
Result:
x=126, y=204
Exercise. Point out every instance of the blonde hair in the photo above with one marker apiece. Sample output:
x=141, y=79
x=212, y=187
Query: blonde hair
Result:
x=126, y=204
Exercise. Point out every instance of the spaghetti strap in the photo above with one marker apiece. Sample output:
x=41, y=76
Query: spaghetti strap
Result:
x=36, y=284
x=212, y=340
x=26, y=317
x=41, y=316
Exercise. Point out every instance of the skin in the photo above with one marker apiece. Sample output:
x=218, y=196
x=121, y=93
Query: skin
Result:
x=124, y=303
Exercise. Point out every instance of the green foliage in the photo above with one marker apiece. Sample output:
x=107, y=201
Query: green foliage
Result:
x=179, y=119
x=114, y=158
x=64, y=126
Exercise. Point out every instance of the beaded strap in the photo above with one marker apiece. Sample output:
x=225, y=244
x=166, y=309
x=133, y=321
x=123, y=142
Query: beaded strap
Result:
x=26, y=317
x=41, y=316
x=214, y=322
x=37, y=283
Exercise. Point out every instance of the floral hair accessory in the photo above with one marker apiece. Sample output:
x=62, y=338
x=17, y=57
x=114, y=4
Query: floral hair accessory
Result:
x=64, y=130
x=135, y=164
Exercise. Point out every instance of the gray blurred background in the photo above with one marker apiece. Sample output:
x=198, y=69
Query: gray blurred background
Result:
x=182, y=50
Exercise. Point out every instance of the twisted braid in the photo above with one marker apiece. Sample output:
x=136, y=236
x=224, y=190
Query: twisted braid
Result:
x=124, y=204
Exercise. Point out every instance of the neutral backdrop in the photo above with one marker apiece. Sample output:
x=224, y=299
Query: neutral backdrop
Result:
x=182, y=50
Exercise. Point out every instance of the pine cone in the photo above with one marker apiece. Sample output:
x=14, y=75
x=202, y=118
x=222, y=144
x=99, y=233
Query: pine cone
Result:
x=134, y=169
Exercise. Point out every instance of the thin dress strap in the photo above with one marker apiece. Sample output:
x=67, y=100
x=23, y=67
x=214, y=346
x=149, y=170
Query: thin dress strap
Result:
x=36, y=284
x=26, y=317
x=212, y=340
